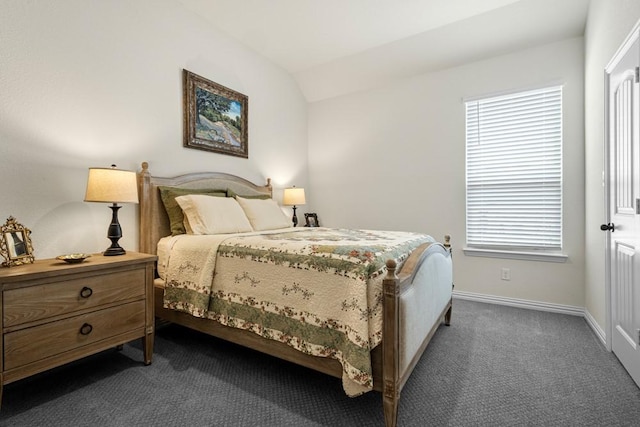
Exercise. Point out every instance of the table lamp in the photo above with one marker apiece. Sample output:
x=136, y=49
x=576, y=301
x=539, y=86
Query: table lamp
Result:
x=293, y=196
x=111, y=185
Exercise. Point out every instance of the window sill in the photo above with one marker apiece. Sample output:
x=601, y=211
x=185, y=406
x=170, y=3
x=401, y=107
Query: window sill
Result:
x=529, y=256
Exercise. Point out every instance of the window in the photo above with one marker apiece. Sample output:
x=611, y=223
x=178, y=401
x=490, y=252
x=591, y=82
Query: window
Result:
x=514, y=171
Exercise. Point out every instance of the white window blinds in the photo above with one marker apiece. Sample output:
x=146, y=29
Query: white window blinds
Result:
x=514, y=170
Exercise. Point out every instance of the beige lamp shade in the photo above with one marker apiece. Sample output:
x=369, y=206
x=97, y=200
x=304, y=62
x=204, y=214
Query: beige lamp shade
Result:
x=293, y=196
x=111, y=185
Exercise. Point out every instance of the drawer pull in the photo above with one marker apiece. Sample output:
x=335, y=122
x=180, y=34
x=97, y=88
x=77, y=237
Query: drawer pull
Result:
x=86, y=292
x=86, y=329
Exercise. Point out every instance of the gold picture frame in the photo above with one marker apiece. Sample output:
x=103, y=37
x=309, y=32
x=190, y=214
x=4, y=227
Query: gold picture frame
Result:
x=15, y=243
x=215, y=117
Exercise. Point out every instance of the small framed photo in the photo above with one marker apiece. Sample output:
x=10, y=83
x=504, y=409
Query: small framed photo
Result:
x=15, y=243
x=215, y=117
x=311, y=220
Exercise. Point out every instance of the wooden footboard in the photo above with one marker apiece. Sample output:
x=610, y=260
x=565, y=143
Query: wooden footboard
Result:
x=415, y=302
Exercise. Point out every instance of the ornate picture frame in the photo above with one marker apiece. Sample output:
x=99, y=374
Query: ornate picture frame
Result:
x=311, y=220
x=15, y=243
x=215, y=117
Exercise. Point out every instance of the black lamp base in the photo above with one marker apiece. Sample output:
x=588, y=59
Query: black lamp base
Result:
x=114, y=234
x=295, y=218
x=114, y=250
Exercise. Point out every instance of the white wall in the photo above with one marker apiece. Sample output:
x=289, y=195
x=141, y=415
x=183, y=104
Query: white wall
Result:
x=88, y=83
x=608, y=25
x=394, y=158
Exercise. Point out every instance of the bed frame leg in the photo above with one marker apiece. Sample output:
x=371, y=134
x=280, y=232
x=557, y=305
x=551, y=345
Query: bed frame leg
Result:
x=447, y=315
x=391, y=345
x=390, y=405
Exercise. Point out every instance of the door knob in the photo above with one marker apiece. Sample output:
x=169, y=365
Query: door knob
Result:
x=606, y=227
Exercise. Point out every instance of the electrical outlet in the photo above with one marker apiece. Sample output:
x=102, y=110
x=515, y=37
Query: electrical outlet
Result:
x=506, y=274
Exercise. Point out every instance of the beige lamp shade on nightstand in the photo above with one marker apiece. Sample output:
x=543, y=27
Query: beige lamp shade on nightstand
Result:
x=111, y=185
x=293, y=196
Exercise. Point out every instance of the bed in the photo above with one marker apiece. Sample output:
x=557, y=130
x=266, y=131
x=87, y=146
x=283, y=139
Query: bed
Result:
x=404, y=299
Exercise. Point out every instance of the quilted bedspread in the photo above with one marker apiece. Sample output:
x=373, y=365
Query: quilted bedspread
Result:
x=319, y=290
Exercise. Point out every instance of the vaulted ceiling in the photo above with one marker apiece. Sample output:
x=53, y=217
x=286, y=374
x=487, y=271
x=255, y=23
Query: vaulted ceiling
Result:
x=333, y=47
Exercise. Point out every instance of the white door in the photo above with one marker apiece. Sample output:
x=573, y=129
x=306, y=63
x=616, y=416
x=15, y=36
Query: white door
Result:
x=623, y=122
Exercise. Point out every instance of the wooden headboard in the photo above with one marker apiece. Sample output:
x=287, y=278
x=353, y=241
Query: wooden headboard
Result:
x=154, y=222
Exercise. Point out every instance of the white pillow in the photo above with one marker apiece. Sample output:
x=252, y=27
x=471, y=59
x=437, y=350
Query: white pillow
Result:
x=213, y=215
x=264, y=214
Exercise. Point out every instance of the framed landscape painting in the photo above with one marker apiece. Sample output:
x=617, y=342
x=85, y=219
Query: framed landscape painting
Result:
x=215, y=117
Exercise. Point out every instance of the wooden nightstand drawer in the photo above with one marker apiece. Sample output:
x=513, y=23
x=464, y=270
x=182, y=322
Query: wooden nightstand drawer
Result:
x=32, y=344
x=73, y=294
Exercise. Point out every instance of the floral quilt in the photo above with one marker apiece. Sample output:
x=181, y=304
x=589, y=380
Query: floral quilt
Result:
x=319, y=290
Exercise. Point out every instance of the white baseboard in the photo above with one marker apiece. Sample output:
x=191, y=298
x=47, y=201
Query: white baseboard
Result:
x=536, y=305
x=522, y=303
x=595, y=327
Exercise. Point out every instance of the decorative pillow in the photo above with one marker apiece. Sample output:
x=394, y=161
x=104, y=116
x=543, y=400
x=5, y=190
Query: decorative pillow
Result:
x=176, y=218
x=213, y=215
x=264, y=214
x=231, y=193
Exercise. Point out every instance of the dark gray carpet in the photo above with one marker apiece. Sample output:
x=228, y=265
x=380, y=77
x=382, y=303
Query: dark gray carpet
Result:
x=494, y=366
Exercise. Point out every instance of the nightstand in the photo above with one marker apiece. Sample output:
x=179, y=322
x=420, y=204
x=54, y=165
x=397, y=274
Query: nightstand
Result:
x=53, y=312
